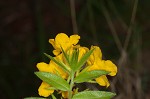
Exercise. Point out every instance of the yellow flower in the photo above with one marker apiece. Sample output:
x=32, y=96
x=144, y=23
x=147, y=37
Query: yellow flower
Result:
x=44, y=91
x=69, y=45
x=44, y=67
x=102, y=80
x=96, y=55
x=82, y=51
x=52, y=67
x=57, y=69
x=95, y=62
x=111, y=67
x=62, y=40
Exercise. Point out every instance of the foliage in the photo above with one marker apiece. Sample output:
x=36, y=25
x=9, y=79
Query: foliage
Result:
x=74, y=64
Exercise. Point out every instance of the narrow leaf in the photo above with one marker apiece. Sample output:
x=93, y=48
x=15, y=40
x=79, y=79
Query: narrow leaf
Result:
x=53, y=97
x=83, y=59
x=54, y=80
x=65, y=55
x=89, y=75
x=74, y=59
x=63, y=66
x=94, y=95
x=76, y=55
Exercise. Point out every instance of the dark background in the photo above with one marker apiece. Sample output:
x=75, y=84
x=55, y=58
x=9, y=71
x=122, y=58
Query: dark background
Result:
x=26, y=26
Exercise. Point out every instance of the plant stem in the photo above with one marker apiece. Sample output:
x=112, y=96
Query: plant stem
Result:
x=71, y=86
x=73, y=16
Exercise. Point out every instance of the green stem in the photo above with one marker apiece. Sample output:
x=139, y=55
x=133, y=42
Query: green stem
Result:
x=71, y=86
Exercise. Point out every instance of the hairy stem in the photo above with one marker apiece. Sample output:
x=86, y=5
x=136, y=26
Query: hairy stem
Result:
x=71, y=86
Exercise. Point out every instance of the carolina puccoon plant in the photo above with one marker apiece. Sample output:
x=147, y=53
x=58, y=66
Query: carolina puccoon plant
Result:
x=72, y=64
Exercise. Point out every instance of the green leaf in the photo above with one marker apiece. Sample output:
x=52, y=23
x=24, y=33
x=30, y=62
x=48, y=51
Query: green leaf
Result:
x=83, y=60
x=74, y=59
x=53, y=97
x=94, y=95
x=54, y=80
x=34, y=98
x=89, y=75
x=63, y=66
x=65, y=55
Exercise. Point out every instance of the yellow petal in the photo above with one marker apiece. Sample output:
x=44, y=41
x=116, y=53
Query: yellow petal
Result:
x=74, y=39
x=82, y=51
x=44, y=91
x=97, y=65
x=111, y=67
x=61, y=72
x=105, y=65
x=65, y=94
x=51, y=41
x=43, y=67
x=57, y=48
x=97, y=52
x=62, y=40
x=57, y=69
x=103, y=81
x=96, y=55
x=56, y=52
x=93, y=67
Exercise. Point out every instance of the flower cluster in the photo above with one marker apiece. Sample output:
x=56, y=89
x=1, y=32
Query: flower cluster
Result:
x=74, y=63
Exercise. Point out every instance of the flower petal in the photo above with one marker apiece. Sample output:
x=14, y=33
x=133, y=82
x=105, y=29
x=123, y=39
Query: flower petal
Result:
x=56, y=52
x=111, y=67
x=96, y=55
x=44, y=91
x=103, y=81
x=82, y=51
x=57, y=69
x=51, y=41
x=43, y=67
x=62, y=40
x=93, y=67
x=97, y=52
x=57, y=48
x=74, y=39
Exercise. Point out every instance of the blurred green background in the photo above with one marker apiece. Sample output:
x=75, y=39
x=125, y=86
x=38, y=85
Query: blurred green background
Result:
x=120, y=27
